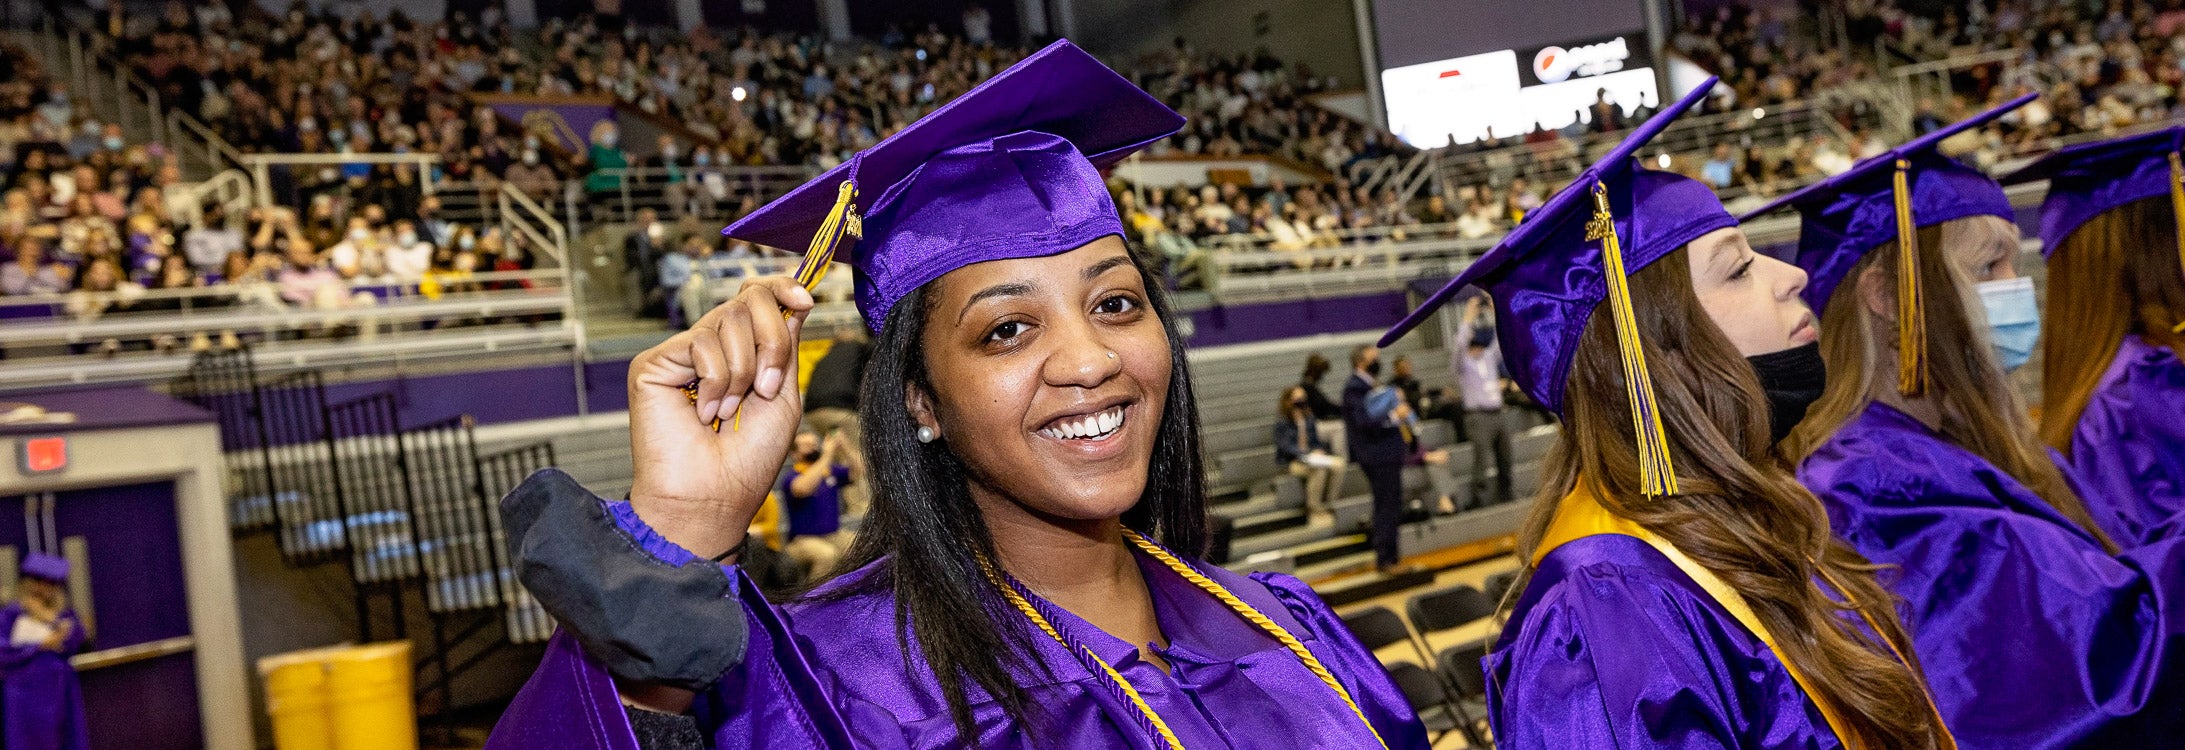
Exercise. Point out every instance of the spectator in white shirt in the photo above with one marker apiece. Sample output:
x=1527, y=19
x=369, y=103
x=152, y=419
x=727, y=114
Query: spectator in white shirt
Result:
x=1476, y=359
x=358, y=253
x=208, y=245
x=410, y=255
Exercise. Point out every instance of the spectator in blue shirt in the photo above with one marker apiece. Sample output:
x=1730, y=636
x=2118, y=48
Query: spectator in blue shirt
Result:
x=677, y=269
x=1720, y=169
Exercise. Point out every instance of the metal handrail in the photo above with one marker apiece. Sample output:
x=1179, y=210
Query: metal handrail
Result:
x=139, y=325
x=213, y=291
x=215, y=147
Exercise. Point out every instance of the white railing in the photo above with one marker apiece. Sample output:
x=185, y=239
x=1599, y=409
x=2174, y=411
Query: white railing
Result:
x=261, y=165
x=229, y=189
x=64, y=338
x=691, y=191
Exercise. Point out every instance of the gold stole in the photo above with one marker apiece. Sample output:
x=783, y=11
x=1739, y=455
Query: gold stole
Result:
x=1580, y=515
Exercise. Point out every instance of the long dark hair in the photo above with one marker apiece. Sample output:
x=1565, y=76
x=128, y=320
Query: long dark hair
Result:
x=928, y=533
x=1739, y=512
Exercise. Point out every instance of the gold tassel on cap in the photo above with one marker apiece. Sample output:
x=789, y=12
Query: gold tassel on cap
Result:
x=842, y=221
x=2177, y=209
x=1911, y=321
x=1657, y=476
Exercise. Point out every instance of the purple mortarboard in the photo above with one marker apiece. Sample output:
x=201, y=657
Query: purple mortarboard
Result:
x=1886, y=198
x=1846, y=215
x=1575, y=251
x=2088, y=179
x=45, y=567
x=1011, y=169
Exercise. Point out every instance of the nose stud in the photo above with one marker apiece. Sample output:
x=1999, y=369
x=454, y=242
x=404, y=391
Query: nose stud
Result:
x=1111, y=355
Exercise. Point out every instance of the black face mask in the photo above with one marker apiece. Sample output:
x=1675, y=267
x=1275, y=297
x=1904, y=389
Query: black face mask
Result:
x=1793, y=379
x=1373, y=368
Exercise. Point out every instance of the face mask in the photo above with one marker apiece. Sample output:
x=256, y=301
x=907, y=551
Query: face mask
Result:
x=2014, y=319
x=113, y=144
x=1793, y=379
x=1373, y=368
x=406, y=239
x=609, y=139
x=467, y=241
x=531, y=158
x=703, y=159
x=358, y=235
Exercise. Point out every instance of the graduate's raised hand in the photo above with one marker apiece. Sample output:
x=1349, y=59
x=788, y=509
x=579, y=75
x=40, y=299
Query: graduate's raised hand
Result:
x=697, y=486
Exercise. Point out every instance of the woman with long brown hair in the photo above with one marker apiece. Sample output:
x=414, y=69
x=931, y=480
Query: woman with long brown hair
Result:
x=2033, y=630
x=1679, y=587
x=2113, y=392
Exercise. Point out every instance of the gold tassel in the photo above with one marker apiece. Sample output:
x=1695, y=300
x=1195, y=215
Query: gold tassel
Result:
x=1657, y=475
x=2177, y=208
x=842, y=221
x=1911, y=321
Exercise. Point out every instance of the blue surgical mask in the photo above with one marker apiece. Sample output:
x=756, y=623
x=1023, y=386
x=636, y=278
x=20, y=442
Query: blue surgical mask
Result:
x=2014, y=319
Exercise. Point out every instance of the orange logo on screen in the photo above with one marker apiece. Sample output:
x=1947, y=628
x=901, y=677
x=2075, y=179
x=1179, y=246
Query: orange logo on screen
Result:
x=45, y=455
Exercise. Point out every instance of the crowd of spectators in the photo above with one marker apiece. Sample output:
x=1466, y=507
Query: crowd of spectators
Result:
x=88, y=228
x=305, y=81
x=308, y=82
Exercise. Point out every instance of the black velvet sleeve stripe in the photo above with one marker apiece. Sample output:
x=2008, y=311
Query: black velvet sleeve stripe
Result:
x=665, y=731
x=646, y=620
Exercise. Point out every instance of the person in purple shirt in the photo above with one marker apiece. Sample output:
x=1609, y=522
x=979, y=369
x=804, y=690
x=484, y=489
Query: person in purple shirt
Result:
x=1027, y=575
x=819, y=471
x=2113, y=390
x=2034, y=630
x=41, y=706
x=1678, y=588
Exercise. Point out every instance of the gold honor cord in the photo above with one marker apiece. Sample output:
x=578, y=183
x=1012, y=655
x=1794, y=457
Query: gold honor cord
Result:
x=842, y=221
x=1192, y=576
x=1911, y=318
x=1657, y=475
x=2177, y=209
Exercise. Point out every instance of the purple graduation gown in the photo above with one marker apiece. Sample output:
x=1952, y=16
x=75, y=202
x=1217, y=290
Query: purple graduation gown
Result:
x=2030, y=634
x=2129, y=445
x=832, y=674
x=1611, y=646
x=41, y=705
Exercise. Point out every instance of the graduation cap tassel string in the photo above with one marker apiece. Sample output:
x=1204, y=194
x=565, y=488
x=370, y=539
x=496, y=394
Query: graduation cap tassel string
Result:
x=2177, y=209
x=1657, y=474
x=1911, y=318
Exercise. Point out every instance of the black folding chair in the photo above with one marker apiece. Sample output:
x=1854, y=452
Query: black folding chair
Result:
x=1379, y=627
x=1429, y=698
x=1467, y=679
x=1448, y=608
x=1498, y=585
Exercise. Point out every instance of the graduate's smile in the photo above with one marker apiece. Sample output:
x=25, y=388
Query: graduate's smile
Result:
x=1093, y=431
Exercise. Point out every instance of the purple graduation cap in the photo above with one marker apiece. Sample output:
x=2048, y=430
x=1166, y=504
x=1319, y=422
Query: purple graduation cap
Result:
x=2090, y=178
x=45, y=567
x=1885, y=198
x=1011, y=169
x=1576, y=251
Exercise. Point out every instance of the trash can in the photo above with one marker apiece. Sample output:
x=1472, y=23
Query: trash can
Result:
x=346, y=697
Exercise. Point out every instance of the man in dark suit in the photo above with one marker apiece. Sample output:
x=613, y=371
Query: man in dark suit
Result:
x=1377, y=446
